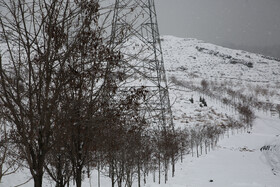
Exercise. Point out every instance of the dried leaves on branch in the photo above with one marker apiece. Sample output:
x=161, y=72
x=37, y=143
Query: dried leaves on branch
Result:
x=59, y=88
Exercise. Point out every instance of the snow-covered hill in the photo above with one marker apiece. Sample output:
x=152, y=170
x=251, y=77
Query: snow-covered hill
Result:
x=243, y=157
x=197, y=58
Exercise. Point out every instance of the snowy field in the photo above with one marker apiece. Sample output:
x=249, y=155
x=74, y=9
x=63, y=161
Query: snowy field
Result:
x=237, y=161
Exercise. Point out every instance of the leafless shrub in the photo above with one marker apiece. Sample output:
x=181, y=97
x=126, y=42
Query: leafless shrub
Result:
x=204, y=84
x=278, y=109
x=247, y=115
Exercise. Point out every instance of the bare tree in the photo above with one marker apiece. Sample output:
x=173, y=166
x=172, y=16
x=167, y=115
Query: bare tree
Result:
x=59, y=87
x=4, y=149
x=55, y=56
x=8, y=156
x=278, y=109
x=246, y=114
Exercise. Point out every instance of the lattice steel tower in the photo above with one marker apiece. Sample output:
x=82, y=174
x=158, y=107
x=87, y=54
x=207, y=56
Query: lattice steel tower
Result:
x=135, y=32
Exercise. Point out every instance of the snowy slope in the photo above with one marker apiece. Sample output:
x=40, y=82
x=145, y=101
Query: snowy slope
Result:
x=237, y=160
x=208, y=60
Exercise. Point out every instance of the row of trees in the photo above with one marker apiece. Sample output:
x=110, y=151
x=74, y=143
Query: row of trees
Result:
x=234, y=100
x=236, y=97
x=237, y=101
x=62, y=108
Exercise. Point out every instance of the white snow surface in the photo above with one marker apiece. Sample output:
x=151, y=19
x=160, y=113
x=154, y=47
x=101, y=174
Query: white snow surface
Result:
x=237, y=161
x=208, y=60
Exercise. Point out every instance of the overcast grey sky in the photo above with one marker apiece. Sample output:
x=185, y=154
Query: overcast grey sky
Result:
x=251, y=24
x=240, y=22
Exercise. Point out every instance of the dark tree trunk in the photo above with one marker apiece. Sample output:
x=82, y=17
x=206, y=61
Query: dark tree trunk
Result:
x=165, y=171
x=173, y=166
x=38, y=169
x=139, y=175
x=154, y=176
x=79, y=176
x=98, y=174
x=112, y=173
x=38, y=180
x=159, y=171
x=145, y=173
x=60, y=182
x=192, y=148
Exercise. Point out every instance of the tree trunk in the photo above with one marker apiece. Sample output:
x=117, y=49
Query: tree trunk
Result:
x=38, y=170
x=120, y=181
x=98, y=174
x=165, y=171
x=145, y=177
x=128, y=179
x=173, y=166
x=59, y=184
x=79, y=176
x=38, y=180
x=139, y=175
x=112, y=174
x=154, y=176
x=192, y=147
x=159, y=171
x=60, y=180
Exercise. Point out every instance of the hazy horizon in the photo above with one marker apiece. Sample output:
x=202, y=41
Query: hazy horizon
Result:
x=248, y=23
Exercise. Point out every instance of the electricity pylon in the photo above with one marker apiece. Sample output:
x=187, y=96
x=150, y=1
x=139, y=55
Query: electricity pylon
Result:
x=135, y=32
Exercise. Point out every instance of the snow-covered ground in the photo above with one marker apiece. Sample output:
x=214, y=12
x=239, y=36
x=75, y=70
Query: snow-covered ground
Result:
x=238, y=159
